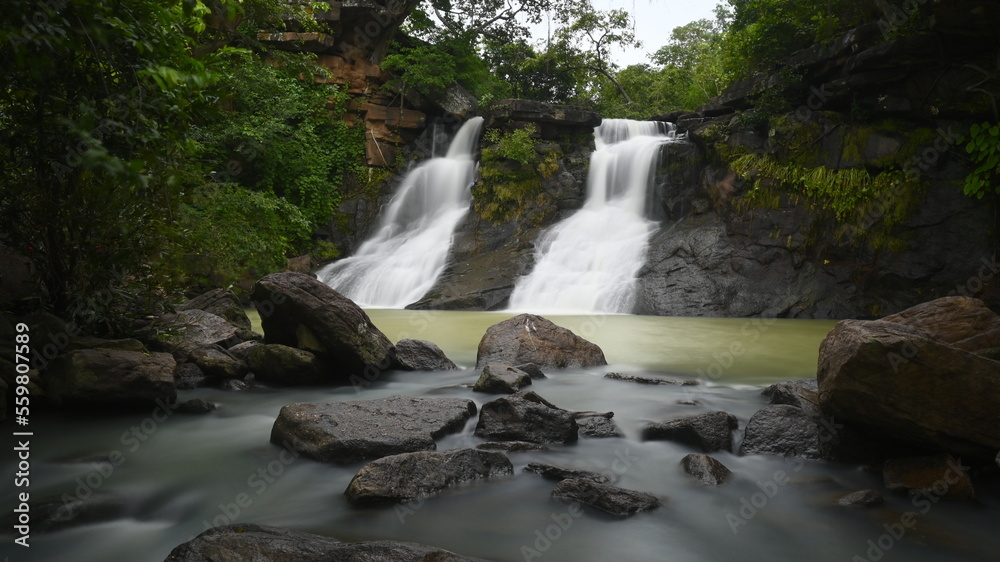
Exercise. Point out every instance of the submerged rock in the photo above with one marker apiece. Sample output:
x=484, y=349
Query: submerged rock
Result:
x=126, y=380
x=249, y=542
x=420, y=355
x=611, y=499
x=409, y=476
x=706, y=469
x=598, y=427
x=527, y=338
x=863, y=498
x=526, y=416
x=938, y=475
x=299, y=311
x=501, y=379
x=551, y=472
x=897, y=382
x=55, y=513
x=280, y=364
x=650, y=380
x=347, y=432
x=511, y=446
x=712, y=431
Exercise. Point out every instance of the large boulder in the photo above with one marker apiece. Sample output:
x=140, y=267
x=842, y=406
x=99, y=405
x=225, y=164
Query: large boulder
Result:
x=708, y=432
x=189, y=330
x=527, y=338
x=348, y=432
x=221, y=303
x=526, y=416
x=897, y=381
x=963, y=322
x=616, y=501
x=410, y=476
x=280, y=364
x=217, y=362
x=420, y=355
x=501, y=379
x=249, y=542
x=299, y=311
x=125, y=380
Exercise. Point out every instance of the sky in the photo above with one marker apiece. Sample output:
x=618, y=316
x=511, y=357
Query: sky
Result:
x=654, y=20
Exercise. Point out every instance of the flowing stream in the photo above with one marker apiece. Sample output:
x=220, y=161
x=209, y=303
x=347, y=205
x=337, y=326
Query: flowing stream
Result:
x=179, y=474
x=588, y=262
x=407, y=253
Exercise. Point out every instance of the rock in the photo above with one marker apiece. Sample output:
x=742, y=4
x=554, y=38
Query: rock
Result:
x=611, y=499
x=553, y=119
x=896, y=382
x=188, y=376
x=501, y=379
x=533, y=370
x=216, y=362
x=299, y=311
x=420, y=355
x=706, y=469
x=863, y=498
x=801, y=393
x=182, y=333
x=235, y=385
x=782, y=430
x=125, y=344
x=525, y=416
x=348, y=432
x=280, y=364
x=194, y=406
x=650, y=380
x=124, y=380
x=409, y=476
x=551, y=472
x=938, y=475
x=527, y=338
x=221, y=303
x=55, y=513
x=598, y=427
x=249, y=542
x=3, y=400
x=963, y=322
x=712, y=431
x=242, y=350
x=511, y=446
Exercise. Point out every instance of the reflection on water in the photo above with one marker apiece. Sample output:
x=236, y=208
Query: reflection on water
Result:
x=188, y=473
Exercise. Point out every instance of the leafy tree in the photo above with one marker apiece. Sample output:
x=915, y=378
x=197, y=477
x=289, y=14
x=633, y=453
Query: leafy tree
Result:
x=692, y=60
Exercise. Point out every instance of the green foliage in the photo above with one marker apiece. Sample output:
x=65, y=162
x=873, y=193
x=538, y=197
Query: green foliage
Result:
x=510, y=175
x=984, y=150
x=517, y=145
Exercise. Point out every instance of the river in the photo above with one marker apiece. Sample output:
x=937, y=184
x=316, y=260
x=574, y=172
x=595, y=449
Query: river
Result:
x=183, y=473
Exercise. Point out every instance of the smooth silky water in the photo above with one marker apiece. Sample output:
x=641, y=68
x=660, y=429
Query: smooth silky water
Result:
x=188, y=472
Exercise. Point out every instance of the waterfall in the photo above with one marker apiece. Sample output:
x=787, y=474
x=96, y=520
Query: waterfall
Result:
x=589, y=261
x=407, y=253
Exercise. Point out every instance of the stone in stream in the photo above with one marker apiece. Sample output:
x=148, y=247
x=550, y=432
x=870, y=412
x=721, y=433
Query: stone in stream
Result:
x=527, y=338
x=650, y=380
x=799, y=392
x=706, y=469
x=897, y=382
x=598, y=427
x=533, y=370
x=420, y=355
x=551, y=472
x=862, y=498
x=249, y=542
x=297, y=310
x=963, y=322
x=783, y=430
x=526, y=416
x=57, y=513
x=348, y=432
x=616, y=501
x=125, y=380
x=216, y=362
x=941, y=476
x=711, y=431
x=501, y=379
x=409, y=476
x=280, y=364
x=511, y=446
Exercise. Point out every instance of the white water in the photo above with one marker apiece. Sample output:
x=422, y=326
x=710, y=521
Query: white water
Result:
x=589, y=262
x=404, y=258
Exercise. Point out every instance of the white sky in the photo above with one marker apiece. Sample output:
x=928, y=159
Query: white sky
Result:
x=654, y=20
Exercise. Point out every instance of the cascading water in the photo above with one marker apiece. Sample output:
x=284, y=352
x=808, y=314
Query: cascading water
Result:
x=588, y=262
x=404, y=258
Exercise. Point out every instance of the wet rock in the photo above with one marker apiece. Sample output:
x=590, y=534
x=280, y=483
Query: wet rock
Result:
x=221, y=303
x=897, y=382
x=706, y=469
x=598, y=427
x=863, y=498
x=126, y=380
x=182, y=333
x=533, y=370
x=242, y=350
x=348, y=432
x=511, y=446
x=782, y=430
x=235, y=385
x=55, y=513
x=650, y=380
x=249, y=542
x=551, y=472
x=280, y=364
x=963, y=322
x=501, y=379
x=217, y=362
x=409, y=476
x=938, y=475
x=420, y=355
x=188, y=376
x=526, y=416
x=712, y=431
x=194, y=406
x=801, y=393
x=611, y=499
x=125, y=344
x=527, y=338
x=299, y=311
